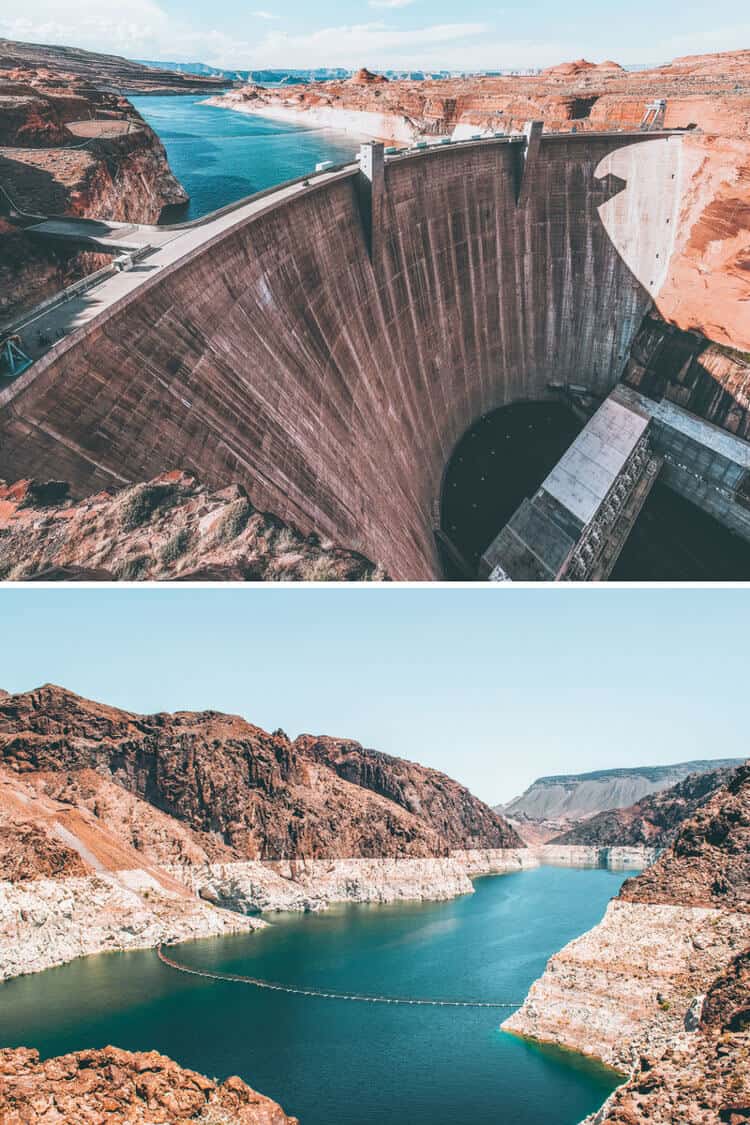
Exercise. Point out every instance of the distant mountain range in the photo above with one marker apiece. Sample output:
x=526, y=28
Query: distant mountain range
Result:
x=552, y=805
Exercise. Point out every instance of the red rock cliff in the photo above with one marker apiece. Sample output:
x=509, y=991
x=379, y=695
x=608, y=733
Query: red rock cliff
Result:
x=67, y=148
x=262, y=795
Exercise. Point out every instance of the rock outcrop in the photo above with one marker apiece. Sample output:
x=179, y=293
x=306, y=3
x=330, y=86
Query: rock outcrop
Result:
x=119, y=1087
x=261, y=794
x=122, y=831
x=659, y=984
x=68, y=148
x=703, y=1076
x=655, y=820
x=170, y=528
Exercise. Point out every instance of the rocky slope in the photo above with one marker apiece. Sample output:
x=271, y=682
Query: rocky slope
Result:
x=121, y=831
x=68, y=148
x=261, y=794
x=170, y=528
x=655, y=820
x=106, y=72
x=631, y=991
x=552, y=805
x=701, y=1078
x=143, y=1088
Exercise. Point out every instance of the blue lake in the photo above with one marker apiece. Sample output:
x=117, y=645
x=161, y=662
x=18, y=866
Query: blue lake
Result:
x=220, y=155
x=333, y=1062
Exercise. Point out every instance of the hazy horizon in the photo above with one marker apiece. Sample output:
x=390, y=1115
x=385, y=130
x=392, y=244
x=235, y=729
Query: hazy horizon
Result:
x=383, y=34
x=495, y=690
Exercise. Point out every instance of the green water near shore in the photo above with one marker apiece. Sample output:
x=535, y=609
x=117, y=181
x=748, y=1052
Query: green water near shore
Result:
x=334, y=1062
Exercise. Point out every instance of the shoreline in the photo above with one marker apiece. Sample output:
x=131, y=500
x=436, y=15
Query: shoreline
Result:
x=46, y=923
x=359, y=123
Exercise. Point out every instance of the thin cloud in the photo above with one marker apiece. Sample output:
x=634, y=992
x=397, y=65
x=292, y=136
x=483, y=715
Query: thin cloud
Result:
x=390, y=3
x=265, y=15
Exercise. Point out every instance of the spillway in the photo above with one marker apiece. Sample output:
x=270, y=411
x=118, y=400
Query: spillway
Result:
x=329, y=350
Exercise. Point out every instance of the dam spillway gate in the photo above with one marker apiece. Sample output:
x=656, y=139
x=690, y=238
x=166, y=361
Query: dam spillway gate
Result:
x=325, y=993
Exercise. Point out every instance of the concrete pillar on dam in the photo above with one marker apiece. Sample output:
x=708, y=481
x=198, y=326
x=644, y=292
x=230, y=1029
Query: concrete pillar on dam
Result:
x=533, y=133
x=370, y=193
x=575, y=526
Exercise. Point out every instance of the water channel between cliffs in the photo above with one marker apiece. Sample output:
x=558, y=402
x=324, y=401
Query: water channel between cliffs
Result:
x=336, y=1063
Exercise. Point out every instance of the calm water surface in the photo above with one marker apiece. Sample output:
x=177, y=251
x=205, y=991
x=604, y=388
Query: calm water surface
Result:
x=219, y=155
x=341, y=1063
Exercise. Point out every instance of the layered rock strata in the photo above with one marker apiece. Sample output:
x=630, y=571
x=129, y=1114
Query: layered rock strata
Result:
x=68, y=148
x=631, y=991
x=105, y=72
x=653, y=821
x=119, y=1087
x=703, y=1076
x=170, y=528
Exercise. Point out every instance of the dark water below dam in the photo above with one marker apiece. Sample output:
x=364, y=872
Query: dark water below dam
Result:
x=507, y=454
x=220, y=156
x=334, y=1062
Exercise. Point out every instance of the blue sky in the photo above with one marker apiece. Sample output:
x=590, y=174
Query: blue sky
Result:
x=493, y=687
x=381, y=33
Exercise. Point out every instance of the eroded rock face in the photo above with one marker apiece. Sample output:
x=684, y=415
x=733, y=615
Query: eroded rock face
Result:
x=709, y=862
x=69, y=148
x=262, y=795
x=140, y=1088
x=105, y=72
x=659, y=987
x=655, y=820
x=170, y=528
x=700, y=1078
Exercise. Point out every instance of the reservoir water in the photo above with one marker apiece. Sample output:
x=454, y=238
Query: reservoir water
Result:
x=219, y=155
x=333, y=1062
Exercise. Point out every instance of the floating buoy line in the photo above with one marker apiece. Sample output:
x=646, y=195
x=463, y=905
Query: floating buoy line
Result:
x=327, y=994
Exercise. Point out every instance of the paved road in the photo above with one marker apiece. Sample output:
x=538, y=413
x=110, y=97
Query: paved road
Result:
x=43, y=329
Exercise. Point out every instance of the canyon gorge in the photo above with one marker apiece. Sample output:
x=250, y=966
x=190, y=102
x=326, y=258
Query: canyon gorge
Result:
x=123, y=831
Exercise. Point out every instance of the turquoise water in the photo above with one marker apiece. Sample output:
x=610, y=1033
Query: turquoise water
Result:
x=219, y=155
x=334, y=1062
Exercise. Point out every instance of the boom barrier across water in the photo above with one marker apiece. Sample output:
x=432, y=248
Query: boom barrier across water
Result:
x=327, y=994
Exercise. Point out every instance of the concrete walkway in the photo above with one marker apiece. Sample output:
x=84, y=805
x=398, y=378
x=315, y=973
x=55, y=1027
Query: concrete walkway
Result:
x=161, y=246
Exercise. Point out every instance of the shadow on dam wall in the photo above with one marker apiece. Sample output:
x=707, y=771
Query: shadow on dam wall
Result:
x=335, y=385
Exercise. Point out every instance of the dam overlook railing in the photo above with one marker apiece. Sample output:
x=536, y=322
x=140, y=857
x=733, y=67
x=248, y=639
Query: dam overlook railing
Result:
x=326, y=993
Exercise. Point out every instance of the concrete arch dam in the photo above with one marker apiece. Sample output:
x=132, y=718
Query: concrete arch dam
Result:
x=329, y=344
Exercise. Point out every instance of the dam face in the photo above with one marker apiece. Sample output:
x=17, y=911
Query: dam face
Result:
x=333, y=373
